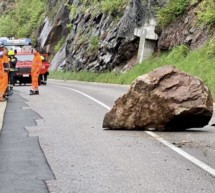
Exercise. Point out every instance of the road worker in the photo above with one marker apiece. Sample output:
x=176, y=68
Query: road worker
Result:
x=43, y=77
x=2, y=98
x=6, y=64
x=35, y=72
x=13, y=61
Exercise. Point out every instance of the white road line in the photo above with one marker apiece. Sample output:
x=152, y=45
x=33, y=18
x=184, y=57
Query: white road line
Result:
x=93, y=99
x=189, y=157
x=183, y=153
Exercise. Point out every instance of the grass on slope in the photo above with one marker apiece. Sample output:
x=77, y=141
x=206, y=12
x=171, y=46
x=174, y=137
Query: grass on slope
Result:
x=200, y=63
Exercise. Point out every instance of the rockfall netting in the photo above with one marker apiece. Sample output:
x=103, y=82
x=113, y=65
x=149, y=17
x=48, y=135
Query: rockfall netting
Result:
x=136, y=15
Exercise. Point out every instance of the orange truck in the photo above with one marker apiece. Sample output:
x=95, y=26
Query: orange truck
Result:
x=23, y=49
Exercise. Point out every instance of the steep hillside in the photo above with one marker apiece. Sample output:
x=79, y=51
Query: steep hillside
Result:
x=192, y=27
x=105, y=35
x=99, y=36
x=95, y=36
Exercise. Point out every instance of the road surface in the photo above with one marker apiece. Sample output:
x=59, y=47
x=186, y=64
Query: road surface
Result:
x=71, y=152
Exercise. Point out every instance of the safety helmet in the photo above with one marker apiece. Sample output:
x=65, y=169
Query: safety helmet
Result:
x=42, y=57
x=1, y=46
x=11, y=53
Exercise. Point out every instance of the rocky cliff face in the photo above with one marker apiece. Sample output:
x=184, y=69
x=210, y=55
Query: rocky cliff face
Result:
x=184, y=30
x=97, y=41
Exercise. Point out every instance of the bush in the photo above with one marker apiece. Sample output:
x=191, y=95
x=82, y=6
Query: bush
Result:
x=179, y=52
x=73, y=10
x=170, y=11
x=110, y=6
x=24, y=19
x=206, y=14
x=209, y=49
x=59, y=45
x=94, y=44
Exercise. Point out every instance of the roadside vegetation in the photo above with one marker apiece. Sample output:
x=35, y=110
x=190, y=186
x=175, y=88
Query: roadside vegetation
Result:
x=106, y=6
x=206, y=14
x=170, y=11
x=24, y=20
x=174, y=8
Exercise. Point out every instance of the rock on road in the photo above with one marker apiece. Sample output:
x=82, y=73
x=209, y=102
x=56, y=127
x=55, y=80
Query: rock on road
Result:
x=85, y=158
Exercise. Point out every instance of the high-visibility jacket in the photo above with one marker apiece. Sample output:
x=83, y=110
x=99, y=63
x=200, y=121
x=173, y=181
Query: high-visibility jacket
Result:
x=36, y=63
x=6, y=62
x=3, y=77
x=1, y=68
x=35, y=71
x=13, y=61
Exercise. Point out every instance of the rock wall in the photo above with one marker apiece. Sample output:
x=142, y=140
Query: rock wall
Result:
x=98, y=41
x=53, y=29
x=184, y=30
x=95, y=42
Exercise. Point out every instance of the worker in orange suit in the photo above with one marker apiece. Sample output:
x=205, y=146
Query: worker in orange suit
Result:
x=6, y=64
x=2, y=98
x=35, y=72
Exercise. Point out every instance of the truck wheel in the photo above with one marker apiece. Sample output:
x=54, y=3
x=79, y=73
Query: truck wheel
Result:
x=20, y=81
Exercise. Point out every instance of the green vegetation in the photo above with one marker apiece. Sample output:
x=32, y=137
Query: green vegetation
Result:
x=59, y=45
x=111, y=6
x=206, y=14
x=73, y=10
x=179, y=52
x=174, y=8
x=94, y=44
x=199, y=63
x=170, y=11
x=24, y=20
x=81, y=39
x=69, y=26
x=106, y=6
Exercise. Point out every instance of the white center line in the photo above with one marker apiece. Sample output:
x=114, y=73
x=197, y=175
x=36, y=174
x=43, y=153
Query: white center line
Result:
x=184, y=154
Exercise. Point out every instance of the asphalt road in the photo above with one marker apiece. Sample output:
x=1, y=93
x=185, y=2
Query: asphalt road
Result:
x=85, y=158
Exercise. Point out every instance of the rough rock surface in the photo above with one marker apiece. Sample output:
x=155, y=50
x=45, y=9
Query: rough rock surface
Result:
x=164, y=99
x=98, y=41
x=54, y=29
x=95, y=41
x=185, y=30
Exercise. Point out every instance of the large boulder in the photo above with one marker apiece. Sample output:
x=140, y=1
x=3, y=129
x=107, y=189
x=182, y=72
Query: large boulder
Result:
x=164, y=99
